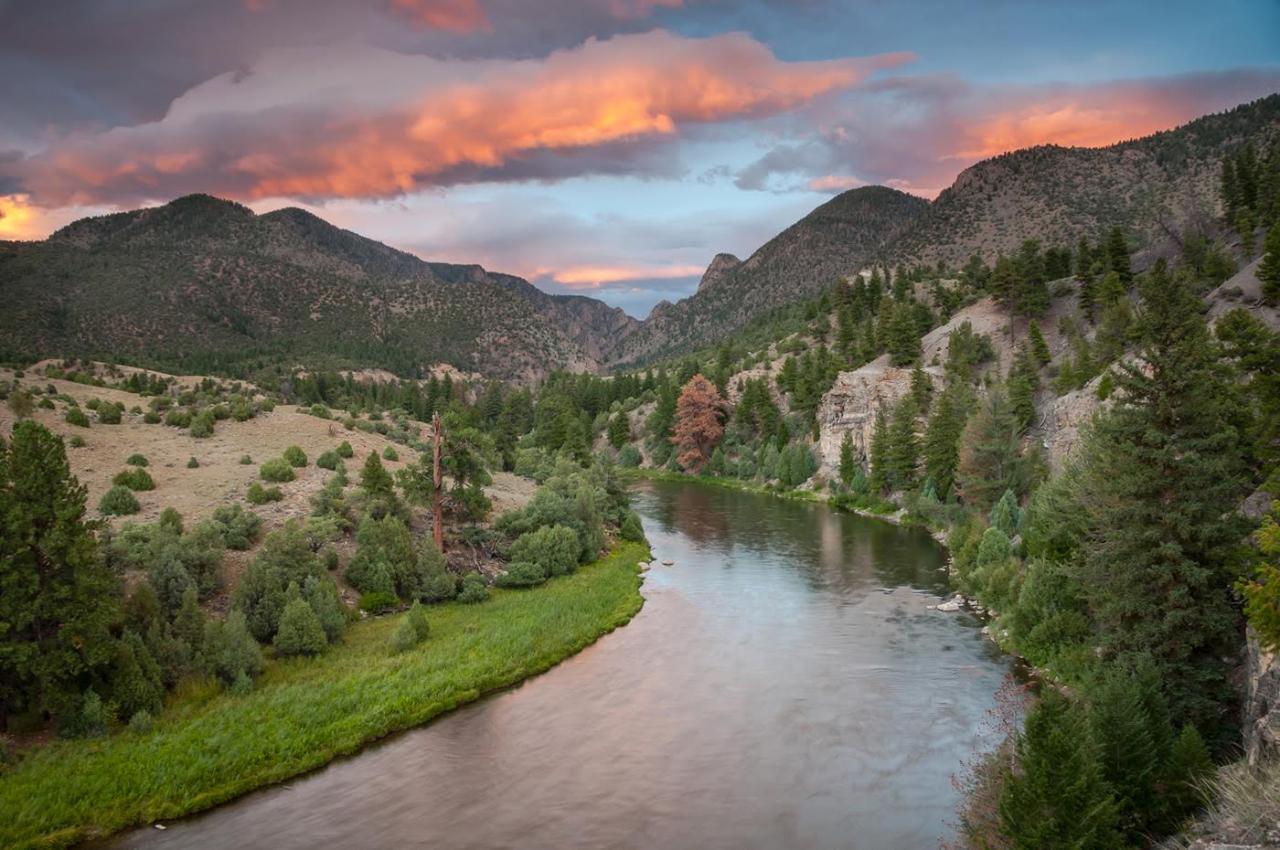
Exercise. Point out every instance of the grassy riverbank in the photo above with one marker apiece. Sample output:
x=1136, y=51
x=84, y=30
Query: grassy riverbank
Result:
x=210, y=746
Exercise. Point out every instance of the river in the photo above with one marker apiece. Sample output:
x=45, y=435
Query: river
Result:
x=786, y=685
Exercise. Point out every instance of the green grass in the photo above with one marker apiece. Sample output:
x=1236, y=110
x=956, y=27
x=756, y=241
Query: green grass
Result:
x=209, y=746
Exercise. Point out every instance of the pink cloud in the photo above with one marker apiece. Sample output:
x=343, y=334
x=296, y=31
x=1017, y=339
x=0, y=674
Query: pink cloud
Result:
x=365, y=122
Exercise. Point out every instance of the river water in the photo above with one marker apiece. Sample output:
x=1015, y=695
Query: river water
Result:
x=786, y=685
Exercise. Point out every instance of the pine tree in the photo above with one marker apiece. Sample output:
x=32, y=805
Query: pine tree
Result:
x=921, y=389
x=848, y=463
x=300, y=632
x=619, y=430
x=904, y=447
x=901, y=335
x=942, y=441
x=1129, y=749
x=1269, y=268
x=1023, y=382
x=1057, y=799
x=57, y=597
x=1039, y=348
x=375, y=480
x=1116, y=251
x=991, y=458
x=698, y=427
x=1006, y=514
x=1163, y=482
x=880, y=452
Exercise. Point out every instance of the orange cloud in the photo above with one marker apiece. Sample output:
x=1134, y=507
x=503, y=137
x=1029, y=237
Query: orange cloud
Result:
x=375, y=124
x=452, y=15
x=17, y=219
x=592, y=277
x=627, y=9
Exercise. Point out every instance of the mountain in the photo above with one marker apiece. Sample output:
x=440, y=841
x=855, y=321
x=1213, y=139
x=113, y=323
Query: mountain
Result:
x=835, y=239
x=202, y=282
x=1157, y=188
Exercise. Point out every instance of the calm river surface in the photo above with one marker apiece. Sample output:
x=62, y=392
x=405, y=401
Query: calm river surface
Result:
x=786, y=685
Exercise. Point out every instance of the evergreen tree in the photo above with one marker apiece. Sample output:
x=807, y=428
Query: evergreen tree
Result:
x=375, y=480
x=1129, y=749
x=991, y=459
x=300, y=632
x=1116, y=250
x=880, y=452
x=921, y=389
x=1057, y=799
x=57, y=597
x=902, y=338
x=904, y=447
x=1039, y=348
x=1269, y=268
x=942, y=441
x=1006, y=514
x=848, y=463
x=1023, y=382
x=1163, y=482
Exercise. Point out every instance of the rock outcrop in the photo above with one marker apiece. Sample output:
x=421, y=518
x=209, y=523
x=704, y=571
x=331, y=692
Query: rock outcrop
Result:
x=722, y=265
x=850, y=407
x=1262, y=703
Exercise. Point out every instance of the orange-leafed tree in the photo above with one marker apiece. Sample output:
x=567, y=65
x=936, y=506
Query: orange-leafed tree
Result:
x=699, y=423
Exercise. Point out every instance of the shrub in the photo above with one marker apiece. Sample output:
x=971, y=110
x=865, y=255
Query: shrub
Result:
x=178, y=418
x=277, y=470
x=170, y=521
x=90, y=721
x=259, y=495
x=377, y=602
x=344, y=450
x=439, y=587
x=285, y=558
x=136, y=479
x=202, y=425
x=192, y=463
x=76, y=416
x=521, y=574
x=554, y=548
x=473, y=589
x=320, y=411
x=141, y=722
x=404, y=638
x=119, y=501
x=417, y=618
x=329, y=556
x=46, y=404
x=137, y=460
x=300, y=632
x=328, y=460
x=387, y=561
x=389, y=453
x=629, y=457
x=295, y=457
x=245, y=460
x=266, y=405
x=322, y=595
x=631, y=530
x=108, y=413
x=230, y=652
x=151, y=417
x=76, y=441
x=237, y=526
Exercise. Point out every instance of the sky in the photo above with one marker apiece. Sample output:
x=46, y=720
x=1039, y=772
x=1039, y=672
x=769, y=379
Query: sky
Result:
x=601, y=147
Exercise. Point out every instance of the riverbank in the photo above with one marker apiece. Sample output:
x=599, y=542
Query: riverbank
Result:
x=210, y=746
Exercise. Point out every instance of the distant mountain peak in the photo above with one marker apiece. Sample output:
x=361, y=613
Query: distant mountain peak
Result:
x=720, y=268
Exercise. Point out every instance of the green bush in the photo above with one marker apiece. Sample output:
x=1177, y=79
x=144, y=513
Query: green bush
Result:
x=151, y=417
x=300, y=632
x=389, y=453
x=193, y=463
x=295, y=457
x=237, y=526
x=137, y=460
x=119, y=501
x=178, y=418
x=377, y=602
x=344, y=450
x=439, y=587
x=473, y=589
x=259, y=495
x=554, y=548
x=521, y=574
x=245, y=460
x=631, y=530
x=230, y=653
x=76, y=441
x=170, y=521
x=108, y=414
x=629, y=457
x=141, y=722
x=328, y=460
x=202, y=425
x=320, y=411
x=76, y=416
x=387, y=560
x=277, y=470
x=413, y=629
x=135, y=478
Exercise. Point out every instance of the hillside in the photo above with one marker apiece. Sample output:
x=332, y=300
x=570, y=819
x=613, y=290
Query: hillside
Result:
x=1156, y=188
x=203, y=283
x=835, y=239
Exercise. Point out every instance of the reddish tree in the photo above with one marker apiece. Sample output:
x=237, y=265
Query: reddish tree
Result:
x=698, y=429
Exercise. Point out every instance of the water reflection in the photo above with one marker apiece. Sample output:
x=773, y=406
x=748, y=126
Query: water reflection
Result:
x=786, y=685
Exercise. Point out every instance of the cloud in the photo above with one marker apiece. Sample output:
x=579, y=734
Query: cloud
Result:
x=918, y=132
x=361, y=122
x=593, y=277
x=451, y=15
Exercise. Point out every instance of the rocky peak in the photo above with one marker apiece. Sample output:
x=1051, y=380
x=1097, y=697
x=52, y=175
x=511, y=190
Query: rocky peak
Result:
x=722, y=265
